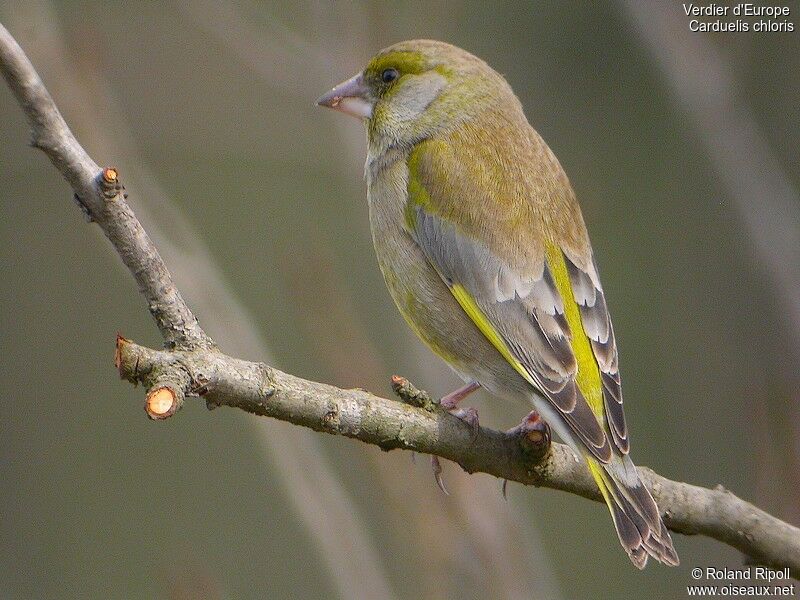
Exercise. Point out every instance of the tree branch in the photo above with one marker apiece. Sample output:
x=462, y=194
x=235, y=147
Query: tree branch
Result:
x=100, y=196
x=192, y=366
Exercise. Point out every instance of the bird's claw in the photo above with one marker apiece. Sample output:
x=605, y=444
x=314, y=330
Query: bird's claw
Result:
x=450, y=404
x=437, y=474
x=470, y=417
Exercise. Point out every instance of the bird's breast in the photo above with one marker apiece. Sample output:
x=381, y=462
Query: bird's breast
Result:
x=425, y=302
x=416, y=288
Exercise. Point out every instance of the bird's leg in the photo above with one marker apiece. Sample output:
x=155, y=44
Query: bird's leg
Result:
x=451, y=400
x=468, y=415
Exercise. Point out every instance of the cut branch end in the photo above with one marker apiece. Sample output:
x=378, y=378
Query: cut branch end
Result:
x=110, y=175
x=110, y=183
x=162, y=402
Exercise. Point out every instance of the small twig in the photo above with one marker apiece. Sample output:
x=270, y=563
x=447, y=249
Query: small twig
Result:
x=411, y=395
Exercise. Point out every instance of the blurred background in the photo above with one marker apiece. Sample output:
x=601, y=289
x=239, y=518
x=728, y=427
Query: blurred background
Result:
x=682, y=148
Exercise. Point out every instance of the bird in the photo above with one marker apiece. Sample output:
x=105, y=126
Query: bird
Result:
x=484, y=250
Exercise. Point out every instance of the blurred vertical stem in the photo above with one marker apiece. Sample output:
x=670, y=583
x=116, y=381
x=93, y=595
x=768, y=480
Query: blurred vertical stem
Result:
x=296, y=456
x=762, y=193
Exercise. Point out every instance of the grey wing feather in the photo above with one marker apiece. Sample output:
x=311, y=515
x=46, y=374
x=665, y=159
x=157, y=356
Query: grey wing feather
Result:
x=528, y=313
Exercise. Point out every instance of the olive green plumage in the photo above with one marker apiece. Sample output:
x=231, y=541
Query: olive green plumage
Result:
x=484, y=250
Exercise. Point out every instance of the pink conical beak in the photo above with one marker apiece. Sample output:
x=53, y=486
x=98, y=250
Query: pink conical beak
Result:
x=350, y=97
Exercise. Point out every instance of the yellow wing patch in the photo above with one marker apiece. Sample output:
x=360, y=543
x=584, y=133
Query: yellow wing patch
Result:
x=476, y=314
x=588, y=375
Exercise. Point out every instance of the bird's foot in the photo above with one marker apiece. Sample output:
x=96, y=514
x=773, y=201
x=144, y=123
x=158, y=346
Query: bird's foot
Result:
x=469, y=415
x=450, y=403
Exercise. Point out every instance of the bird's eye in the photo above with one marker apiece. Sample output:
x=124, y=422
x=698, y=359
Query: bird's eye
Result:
x=389, y=75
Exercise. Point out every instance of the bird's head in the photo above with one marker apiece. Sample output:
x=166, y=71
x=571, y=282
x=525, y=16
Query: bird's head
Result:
x=417, y=88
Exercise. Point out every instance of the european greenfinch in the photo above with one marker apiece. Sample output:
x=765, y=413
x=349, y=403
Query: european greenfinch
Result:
x=484, y=250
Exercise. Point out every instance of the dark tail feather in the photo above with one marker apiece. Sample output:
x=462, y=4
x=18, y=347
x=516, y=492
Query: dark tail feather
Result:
x=636, y=518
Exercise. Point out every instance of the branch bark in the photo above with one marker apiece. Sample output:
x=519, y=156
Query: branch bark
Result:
x=192, y=365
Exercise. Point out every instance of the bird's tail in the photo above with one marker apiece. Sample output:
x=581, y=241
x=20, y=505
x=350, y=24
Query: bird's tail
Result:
x=636, y=518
